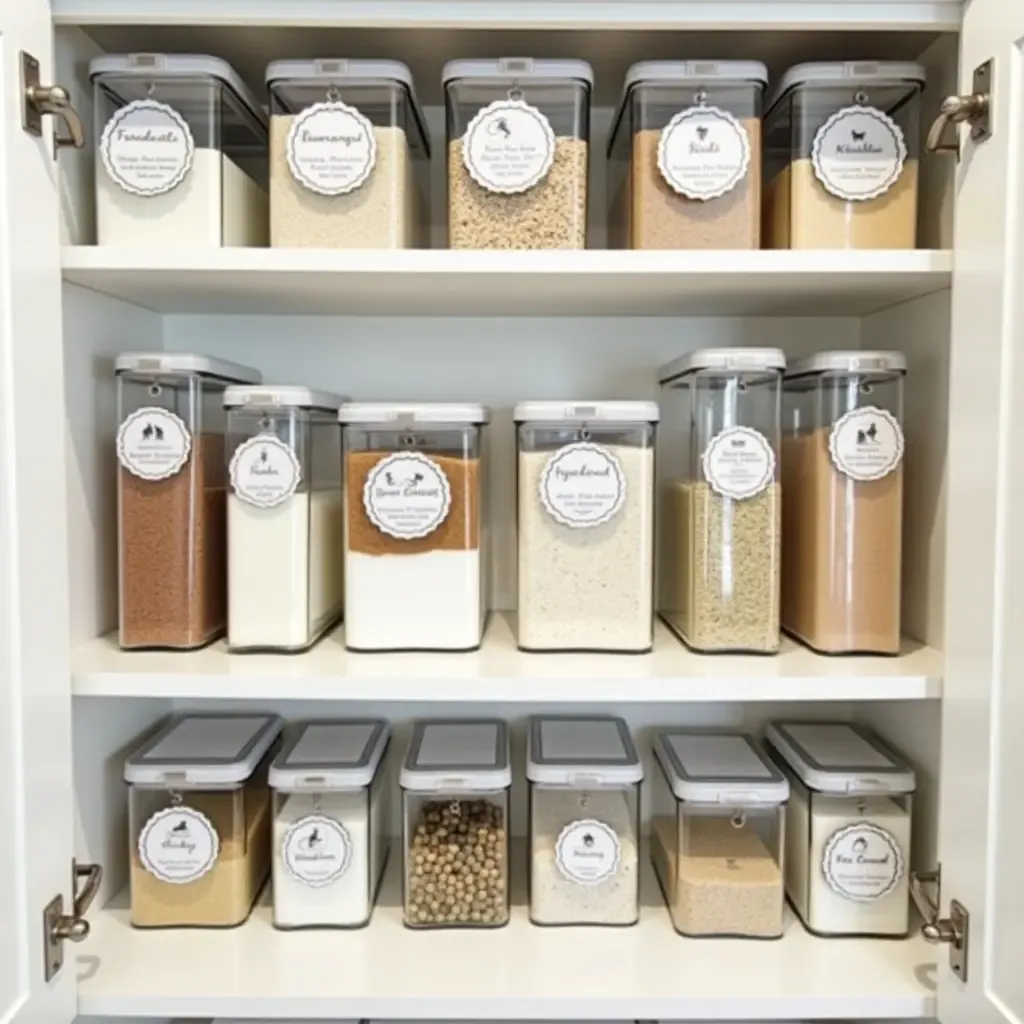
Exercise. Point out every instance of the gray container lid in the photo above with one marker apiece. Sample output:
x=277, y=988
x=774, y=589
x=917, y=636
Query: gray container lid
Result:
x=851, y=362
x=514, y=69
x=332, y=755
x=586, y=412
x=714, y=72
x=457, y=755
x=726, y=360
x=400, y=413
x=852, y=73
x=286, y=396
x=185, y=364
x=582, y=751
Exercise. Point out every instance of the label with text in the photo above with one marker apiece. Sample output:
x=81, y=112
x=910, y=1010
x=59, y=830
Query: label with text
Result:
x=153, y=443
x=407, y=495
x=331, y=149
x=508, y=147
x=859, y=153
x=583, y=485
x=587, y=852
x=866, y=444
x=146, y=148
x=862, y=862
x=739, y=463
x=703, y=153
x=178, y=845
x=316, y=850
x=264, y=471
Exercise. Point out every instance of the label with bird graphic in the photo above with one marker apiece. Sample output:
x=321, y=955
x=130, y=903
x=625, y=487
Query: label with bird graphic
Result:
x=866, y=444
x=508, y=147
x=316, y=850
x=862, y=862
x=153, y=443
x=587, y=852
x=178, y=845
x=703, y=153
x=407, y=495
x=264, y=471
x=859, y=153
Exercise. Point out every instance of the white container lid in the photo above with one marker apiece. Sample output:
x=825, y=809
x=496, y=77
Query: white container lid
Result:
x=509, y=69
x=726, y=768
x=288, y=396
x=839, y=758
x=849, y=362
x=853, y=73
x=714, y=72
x=329, y=69
x=582, y=751
x=339, y=754
x=412, y=412
x=727, y=360
x=457, y=754
x=203, y=751
x=184, y=364
x=586, y=412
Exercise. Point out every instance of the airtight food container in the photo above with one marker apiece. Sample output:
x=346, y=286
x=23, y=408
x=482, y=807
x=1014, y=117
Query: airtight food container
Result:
x=842, y=150
x=181, y=153
x=718, y=834
x=285, y=555
x=848, y=828
x=199, y=820
x=720, y=516
x=455, y=784
x=842, y=520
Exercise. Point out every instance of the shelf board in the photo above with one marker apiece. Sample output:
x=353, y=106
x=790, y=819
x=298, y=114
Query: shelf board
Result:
x=446, y=282
x=500, y=673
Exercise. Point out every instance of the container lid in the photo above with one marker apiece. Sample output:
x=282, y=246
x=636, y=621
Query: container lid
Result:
x=331, y=69
x=849, y=362
x=204, y=750
x=457, y=754
x=576, y=750
x=586, y=412
x=718, y=768
x=288, y=396
x=518, y=68
x=340, y=754
x=183, y=364
x=721, y=72
x=850, y=72
x=412, y=412
x=728, y=360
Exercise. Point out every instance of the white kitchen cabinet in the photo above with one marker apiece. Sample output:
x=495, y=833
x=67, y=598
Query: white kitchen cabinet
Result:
x=497, y=328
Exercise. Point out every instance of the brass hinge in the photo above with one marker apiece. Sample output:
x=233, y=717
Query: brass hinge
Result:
x=953, y=930
x=58, y=926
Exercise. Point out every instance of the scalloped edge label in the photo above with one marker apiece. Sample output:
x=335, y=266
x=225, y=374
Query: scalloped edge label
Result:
x=738, y=463
x=866, y=444
x=331, y=149
x=407, y=495
x=264, y=471
x=583, y=485
x=703, y=153
x=316, y=850
x=588, y=852
x=178, y=845
x=153, y=443
x=147, y=148
x=862, y=862
x=859, y=153
x=509, y=147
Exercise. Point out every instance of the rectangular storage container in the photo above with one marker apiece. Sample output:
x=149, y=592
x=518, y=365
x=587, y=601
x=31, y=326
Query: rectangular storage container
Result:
x=842, y=520
x=684, y=156
x=181, y=153
x=720, y=516
x=172, y=515
x=518, y=143
x=455, y=786
x=584, y=775
x=414, y=526
x=331, y=819
x=842, y=148
x=847, y=828
x=717, y=834
x=285, y=549
x=586, y=525
x=199, y=818
x=349, y=156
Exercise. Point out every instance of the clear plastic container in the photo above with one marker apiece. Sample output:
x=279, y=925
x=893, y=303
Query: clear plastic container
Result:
x=414, y=527
x=842, y=520
x=285, y=556
x=349, y=156
x=720, y=517
x=181, y=153
x=848, y=828
x=518, y=143
x=331, y=817
x=717, y=834
x=172, y=516
x=586, y=525
x=455, y=787
x=585, y=776
x=684, y=168
x=199, y=818
x=841, y=154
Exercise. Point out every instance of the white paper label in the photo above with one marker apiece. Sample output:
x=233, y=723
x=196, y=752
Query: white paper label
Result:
x=264, y=471
x=316, y=850
x=331, y=148
x=508, y=147
x=739, y=463
x=583, y=485
x=153, y=443
x=862, y=862
x=866, y=444
x=407, y=495
x=147, y=148
x=859, y=153
x=703, y=153
x=178, y=845
x=587, y=852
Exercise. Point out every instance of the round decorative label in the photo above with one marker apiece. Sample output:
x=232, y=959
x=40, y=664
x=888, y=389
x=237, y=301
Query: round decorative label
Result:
x=316, y=850
x=859, y=153
x=153, y=443
x=508, y=147
x=331, y=149
x=739, y=463
x=862, y=862
x=703, y=153
x=407, y=495
x=583, y=485
x=587, y=852
x=866, y=444
x=147, y=148
x=264, y=471
x=178, y=845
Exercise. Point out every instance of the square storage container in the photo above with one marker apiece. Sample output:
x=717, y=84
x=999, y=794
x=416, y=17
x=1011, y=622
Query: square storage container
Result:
x=414, y=527
x=847, y=828
x=181, y=153
x=518, y=143
x=842, y=148
x=586, y=525
x=720, y=516
x=331, y=817
x=842, y=520
x=285, y=547
x=199, y=818
x=717, y=834
x=684, y=157
x=349, y=156
x=585, y=777
x=172, y=515
x=455, y=786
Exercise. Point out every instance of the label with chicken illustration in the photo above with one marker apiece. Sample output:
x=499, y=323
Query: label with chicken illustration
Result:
x=178, y=845
x=859, y=153
x=866, y=444
x=264, y=471
x=508, y=147
x=153, y=443
x=316, y=850
x=587, y=852
x=407, y=495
